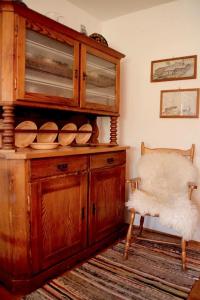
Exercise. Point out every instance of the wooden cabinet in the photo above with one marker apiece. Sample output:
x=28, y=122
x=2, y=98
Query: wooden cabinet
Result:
x=58, y=218
x=58, y=206
x=64, y=209
x=63, y=220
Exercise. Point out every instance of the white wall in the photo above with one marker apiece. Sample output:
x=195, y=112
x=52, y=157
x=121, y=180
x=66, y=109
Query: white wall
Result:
x=70, y=14
x=165, y=31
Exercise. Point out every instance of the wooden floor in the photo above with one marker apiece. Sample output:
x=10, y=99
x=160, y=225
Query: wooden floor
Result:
x=194, y=295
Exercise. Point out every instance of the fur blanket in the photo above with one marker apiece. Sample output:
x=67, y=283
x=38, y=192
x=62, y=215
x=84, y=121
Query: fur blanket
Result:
x=164, y=191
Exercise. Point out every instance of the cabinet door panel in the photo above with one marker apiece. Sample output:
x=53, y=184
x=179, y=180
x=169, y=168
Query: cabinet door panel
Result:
x=49, y=65
x=106, y=202
x=99, y=80
x=59, y=207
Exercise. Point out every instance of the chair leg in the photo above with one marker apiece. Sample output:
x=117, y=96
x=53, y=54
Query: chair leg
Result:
x=129, y=234
x=183, y=247
x=141, y=225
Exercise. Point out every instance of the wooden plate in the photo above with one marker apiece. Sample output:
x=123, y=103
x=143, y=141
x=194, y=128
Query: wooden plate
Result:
x=82, y=138
x=44, y=146
x=24, y=139
x=47, y=137
x=67, y=138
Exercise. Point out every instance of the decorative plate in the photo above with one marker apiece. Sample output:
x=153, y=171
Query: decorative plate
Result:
x=98, y=38
x=47, y=137
x=24, y=139
x=83, y=138
x=44, y=146
x=67, y=138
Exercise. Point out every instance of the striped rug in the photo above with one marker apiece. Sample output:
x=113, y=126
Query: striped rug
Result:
x=152, y=272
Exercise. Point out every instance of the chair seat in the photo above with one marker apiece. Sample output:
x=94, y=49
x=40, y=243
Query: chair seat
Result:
x=144, y=204
x=180, y=213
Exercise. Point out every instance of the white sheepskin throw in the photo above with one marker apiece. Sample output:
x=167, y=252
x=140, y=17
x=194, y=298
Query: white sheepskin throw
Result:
x=164, y=191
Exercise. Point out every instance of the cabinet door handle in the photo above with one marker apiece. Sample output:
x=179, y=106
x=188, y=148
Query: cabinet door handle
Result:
x=93, y=209
x=110, y=160
x=62, y=167
x=76, y=74
x=83, y=213
x=84, y=76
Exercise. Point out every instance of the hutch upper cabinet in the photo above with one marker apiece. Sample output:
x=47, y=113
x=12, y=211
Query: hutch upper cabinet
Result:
x=54, y=65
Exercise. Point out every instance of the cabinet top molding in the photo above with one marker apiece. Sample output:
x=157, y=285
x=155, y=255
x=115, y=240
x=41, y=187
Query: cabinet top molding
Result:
x=21, y=9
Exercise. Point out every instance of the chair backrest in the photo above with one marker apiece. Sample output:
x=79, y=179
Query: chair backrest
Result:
x=189, y=153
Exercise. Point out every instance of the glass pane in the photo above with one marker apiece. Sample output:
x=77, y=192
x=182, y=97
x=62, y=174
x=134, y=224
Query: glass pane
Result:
x=100, y=81
x=49, y=66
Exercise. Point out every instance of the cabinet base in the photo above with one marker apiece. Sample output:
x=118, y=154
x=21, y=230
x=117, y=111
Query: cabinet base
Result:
x=23, y=286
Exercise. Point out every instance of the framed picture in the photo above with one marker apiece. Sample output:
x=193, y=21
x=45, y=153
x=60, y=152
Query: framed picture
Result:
x=182, y=103
x=178, y=68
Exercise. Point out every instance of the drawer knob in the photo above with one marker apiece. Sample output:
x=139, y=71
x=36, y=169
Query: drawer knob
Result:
x=110, y=160
x=93, y=209
x=62, y=167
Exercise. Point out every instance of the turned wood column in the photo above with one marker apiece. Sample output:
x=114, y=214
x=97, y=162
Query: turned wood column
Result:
x=8, y=127
x=113, y=130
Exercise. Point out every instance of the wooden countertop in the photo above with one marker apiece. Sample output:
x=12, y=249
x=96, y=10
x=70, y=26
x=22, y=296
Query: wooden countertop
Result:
x=28, y=153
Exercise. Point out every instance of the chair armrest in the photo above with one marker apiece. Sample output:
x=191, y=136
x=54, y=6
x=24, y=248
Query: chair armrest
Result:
x=134, y=182
x=191, y=186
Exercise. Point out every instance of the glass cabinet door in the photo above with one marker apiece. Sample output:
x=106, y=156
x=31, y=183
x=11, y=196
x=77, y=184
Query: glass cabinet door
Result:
x=51, y=68
x=100, y=86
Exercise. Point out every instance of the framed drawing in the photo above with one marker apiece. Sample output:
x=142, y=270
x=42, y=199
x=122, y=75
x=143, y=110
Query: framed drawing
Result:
x=179, y=103
x=178, y=68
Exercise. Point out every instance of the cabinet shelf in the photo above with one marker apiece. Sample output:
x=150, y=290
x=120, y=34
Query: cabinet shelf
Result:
x=64, y=55
x=90, y=92
x=101, y=68
x=50, y=84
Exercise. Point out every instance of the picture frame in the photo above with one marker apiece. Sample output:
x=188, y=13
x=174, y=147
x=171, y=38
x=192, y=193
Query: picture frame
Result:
x=179, y=103
x=178, y=68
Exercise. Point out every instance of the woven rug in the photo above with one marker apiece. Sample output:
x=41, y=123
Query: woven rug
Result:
x=152, y=272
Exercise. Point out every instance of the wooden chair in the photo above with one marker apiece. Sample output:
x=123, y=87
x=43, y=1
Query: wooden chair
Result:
x=135, y=184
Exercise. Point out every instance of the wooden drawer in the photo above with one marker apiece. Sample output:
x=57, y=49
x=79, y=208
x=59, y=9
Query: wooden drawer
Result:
x=107, y=159
x=45, y=167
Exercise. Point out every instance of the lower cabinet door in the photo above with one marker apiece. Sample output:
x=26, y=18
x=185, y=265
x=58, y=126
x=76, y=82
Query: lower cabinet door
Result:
x=107, y=199
x=58, y=219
